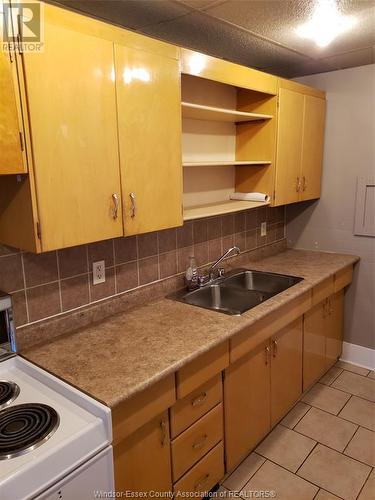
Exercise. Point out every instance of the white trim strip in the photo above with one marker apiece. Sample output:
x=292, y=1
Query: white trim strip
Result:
x=358, y=355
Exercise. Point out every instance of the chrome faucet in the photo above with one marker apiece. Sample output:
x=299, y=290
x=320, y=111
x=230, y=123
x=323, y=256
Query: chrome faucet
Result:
x=204, y=280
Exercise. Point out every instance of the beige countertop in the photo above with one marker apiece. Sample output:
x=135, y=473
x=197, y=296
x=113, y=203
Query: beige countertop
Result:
x=118, y=357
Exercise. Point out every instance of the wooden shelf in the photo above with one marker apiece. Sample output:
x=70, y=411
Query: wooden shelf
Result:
x=222, y=163
x=219, y=208
x=201, y=112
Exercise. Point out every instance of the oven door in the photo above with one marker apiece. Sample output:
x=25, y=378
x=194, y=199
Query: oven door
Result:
x=93, y=478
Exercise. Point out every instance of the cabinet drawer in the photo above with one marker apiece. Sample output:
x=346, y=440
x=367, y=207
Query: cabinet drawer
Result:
x=322, y=291
x=205, y=474
x=203, y=368
x=188, y=410
x=196, y=441
x=343, y=278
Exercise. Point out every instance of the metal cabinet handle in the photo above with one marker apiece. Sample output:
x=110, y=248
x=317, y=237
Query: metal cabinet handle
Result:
x=198, y=485
x=133, y=207
x=298, y=185
x=199, y=399
x=274, y=345
x=164, y=434
x=115, y=199
x=267, y=349
x=200, y=442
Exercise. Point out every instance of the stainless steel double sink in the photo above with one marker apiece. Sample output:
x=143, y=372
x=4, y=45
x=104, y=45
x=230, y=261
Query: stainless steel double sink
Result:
x=238, y=291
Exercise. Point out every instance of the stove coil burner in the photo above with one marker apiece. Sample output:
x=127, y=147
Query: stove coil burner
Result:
x=25, y=427
x=8, y=392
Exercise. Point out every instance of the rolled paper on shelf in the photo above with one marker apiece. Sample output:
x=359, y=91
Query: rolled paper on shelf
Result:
x=261, y=197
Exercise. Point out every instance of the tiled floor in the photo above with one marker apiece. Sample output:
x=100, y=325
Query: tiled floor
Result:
x=323, y=449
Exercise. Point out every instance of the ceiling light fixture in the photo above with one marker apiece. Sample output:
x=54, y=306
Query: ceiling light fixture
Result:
x=325, y=24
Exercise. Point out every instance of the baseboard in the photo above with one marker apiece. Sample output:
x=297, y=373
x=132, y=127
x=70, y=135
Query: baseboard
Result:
x=358, y=355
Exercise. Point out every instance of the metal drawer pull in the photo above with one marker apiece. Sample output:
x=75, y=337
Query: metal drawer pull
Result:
x=200, y=442
x=115, y=205
x=267, y=354
x=199, y=399
x=201, y=482
x=274, y=344
x=163, y=427
x=133, y=207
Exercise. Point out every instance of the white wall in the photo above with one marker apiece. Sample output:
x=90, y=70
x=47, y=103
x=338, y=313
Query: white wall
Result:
x=328, y=223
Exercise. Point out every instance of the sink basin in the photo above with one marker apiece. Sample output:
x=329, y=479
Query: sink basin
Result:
x=239, y=291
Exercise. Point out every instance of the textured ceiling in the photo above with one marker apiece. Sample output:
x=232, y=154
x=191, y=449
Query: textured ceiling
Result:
x=256, y=33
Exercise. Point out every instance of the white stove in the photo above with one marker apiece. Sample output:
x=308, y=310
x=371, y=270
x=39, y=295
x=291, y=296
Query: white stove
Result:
x=55, y=441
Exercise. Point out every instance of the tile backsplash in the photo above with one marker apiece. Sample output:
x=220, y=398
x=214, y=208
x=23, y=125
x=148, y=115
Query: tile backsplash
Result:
x=55, y=282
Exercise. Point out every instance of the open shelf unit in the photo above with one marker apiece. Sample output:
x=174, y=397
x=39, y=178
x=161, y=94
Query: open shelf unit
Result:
x=230, y=127
x=202, y=112
x=219, y=208
x=219, y=163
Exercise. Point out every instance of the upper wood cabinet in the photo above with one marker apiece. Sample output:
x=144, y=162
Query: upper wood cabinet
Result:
x=73, y=127
x=300, y=136
x=12, y=156
x=149, y=118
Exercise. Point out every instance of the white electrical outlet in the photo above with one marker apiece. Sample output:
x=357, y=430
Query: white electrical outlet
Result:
x=98, y=272
x=263, y=229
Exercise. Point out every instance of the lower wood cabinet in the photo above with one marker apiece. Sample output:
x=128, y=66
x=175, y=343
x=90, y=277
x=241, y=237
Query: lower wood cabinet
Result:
x=246, y=403
x=286, y=369
x=142, y=460
x=323, y=329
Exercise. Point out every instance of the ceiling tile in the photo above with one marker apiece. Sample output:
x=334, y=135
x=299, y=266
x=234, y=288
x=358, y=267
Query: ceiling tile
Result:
x=355, y=58
x=202, y=33
x=277, y=20
x=129, y=13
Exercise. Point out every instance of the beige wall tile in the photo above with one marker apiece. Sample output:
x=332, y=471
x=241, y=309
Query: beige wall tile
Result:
x=360, y=411
x=74, y=292
x=200, y=231
x=284, y=484
x=43, y=301
x=286, y=447
x=356, y=384
x=40, y=268
x=168, y=264
x=237, y=480
x=335, y=472
x=295, y=414
x=148, y=270
x=127, y=276
x=125, y=249
x=167, y=240
x=185, y=235
x=326, y=429
x=72, y=261
x=326, y=398
x=362, y=447
x=147, y=245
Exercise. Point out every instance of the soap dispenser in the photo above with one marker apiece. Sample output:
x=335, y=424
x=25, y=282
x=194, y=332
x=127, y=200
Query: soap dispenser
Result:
x=191, y=274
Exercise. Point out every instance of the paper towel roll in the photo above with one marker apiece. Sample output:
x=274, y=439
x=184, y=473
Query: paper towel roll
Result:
x=261, y=197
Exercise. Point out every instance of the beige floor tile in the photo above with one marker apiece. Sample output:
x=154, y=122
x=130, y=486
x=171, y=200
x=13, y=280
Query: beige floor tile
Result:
x=326, y=429
x=362, y=447
x=371, y=374
x=367, y=492
x=360, y=411
x=335, y=472
x=326, y=495
x=356, y=384
x=240, y=476
x=352, y=368
x=326, y=398
x=331, y=375
x=295, y=414
x=285, y=485
x=286, y=447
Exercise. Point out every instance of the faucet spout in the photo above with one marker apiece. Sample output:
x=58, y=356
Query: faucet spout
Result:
x=234, y=250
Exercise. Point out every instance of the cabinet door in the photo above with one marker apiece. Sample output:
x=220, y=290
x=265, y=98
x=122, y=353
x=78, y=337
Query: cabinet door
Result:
x=149, y=116
x=289, y=146
x=246, y=403
x=286, y=369
x=72, y=103
x=316, y=323
x=312, y=147
x=335, y=330
x=12, y=160
x=142, y=461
